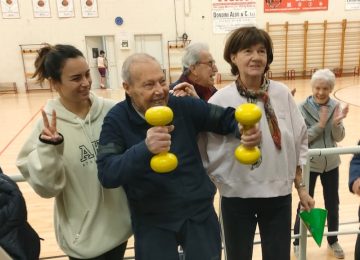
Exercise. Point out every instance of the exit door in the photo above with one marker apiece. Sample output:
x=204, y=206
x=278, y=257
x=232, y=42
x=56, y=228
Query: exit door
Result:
x=150, y=44
x=94, y=44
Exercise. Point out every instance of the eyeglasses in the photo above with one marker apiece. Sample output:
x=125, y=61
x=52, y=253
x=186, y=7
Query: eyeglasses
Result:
x=211, y=63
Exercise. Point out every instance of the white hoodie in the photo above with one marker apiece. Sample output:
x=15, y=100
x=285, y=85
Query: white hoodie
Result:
x=275, y=175
x=89, y=220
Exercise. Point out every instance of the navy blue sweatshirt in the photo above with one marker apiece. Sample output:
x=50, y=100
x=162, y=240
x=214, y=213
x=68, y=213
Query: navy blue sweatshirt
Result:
x=354, y=171
x=162, y=200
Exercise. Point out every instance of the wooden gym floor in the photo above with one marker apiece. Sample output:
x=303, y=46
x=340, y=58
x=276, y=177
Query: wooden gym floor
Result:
x=20, y=111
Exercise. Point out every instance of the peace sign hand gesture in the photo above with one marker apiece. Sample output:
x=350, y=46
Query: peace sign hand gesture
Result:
x=49, y=133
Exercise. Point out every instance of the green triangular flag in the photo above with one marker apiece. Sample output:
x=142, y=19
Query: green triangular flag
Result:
x=315, y=223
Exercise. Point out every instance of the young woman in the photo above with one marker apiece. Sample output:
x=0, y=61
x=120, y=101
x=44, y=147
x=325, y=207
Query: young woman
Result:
x=59, y=160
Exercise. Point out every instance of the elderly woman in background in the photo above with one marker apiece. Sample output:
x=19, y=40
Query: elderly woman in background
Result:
x=199, y=70
x=323, y=117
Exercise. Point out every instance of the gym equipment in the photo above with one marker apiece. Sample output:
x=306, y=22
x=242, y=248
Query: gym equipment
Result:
x=160, y=116
x=247, y=115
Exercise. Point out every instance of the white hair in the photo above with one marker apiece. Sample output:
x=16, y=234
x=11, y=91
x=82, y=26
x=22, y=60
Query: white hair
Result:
x=326, y=75
x=192, y=53
x=134, y=58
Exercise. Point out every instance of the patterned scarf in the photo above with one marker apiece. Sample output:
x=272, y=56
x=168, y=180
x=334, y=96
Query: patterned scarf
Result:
x=262, y=94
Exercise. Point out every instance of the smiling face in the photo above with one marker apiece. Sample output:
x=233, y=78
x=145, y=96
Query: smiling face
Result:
x=148, y=86
x=251, y=62
x=321, y=91
x=75, y=82
x=204, y=70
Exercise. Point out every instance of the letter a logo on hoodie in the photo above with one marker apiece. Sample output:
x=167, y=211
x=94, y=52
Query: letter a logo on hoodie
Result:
x=85, y=153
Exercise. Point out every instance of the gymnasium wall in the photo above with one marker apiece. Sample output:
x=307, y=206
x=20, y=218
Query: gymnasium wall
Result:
x=140, y=17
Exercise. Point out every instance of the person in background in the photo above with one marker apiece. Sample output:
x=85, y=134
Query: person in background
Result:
x=354, y=186
x=102, y=65
x=168, y=209
x=258, y=194
x=199, y=70
x=323, y=117
x=58, y=160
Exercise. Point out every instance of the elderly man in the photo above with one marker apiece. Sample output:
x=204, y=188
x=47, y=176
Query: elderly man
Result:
x=171, y=209
x=199, y=70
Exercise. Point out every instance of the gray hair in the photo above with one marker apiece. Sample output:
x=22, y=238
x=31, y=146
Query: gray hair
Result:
x=134, y=58
x=192, y=53
x=326, y=75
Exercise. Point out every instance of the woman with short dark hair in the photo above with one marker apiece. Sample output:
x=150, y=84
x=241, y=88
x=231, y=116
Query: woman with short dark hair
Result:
x=258, y=194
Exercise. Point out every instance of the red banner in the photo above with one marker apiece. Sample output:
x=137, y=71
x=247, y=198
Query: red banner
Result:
x=294, y=5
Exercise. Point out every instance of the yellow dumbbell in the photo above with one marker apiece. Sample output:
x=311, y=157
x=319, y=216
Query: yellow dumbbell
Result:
x=247, y=115
x=160, y=116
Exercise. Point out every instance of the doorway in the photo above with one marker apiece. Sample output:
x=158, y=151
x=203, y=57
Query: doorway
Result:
x=150, y=44
x=94, y=44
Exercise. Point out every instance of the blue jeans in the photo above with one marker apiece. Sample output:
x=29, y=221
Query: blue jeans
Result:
x=240, y=217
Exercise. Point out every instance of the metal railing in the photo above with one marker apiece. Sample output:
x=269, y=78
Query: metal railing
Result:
x=321, y=152
x=20, y=178
x=303, y=232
